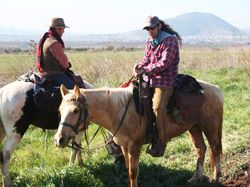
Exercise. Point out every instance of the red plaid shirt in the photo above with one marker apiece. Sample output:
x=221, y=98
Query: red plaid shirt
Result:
x=161, y=61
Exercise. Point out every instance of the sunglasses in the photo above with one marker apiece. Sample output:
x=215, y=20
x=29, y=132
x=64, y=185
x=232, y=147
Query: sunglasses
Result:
x=150, y=28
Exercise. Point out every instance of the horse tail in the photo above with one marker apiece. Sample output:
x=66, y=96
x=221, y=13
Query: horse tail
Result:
x=217, y=152
x=220, y=123
x=220, y=135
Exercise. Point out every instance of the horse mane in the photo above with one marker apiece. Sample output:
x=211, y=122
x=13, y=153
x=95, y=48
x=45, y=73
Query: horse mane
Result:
x=117, y=96
x=120, y=96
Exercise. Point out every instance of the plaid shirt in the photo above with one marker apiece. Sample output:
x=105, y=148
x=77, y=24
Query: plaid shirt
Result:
x=160, y=61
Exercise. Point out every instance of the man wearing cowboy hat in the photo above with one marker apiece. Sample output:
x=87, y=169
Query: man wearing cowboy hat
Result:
x=52, y=62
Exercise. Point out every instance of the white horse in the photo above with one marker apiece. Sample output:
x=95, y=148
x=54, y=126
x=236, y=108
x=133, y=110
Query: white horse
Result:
x=17, y=112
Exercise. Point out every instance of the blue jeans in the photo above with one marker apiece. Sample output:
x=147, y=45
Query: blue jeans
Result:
x=63, y=79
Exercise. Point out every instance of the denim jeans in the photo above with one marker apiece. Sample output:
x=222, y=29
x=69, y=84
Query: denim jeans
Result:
x=63, y=79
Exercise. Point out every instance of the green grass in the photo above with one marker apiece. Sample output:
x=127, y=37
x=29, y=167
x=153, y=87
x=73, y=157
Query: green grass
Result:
x=37, y=164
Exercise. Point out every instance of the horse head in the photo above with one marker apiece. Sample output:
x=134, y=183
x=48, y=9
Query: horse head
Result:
x=74, y=114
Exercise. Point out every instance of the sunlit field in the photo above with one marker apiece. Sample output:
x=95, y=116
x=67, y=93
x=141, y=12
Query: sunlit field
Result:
x=37, y=162
x=111, y=67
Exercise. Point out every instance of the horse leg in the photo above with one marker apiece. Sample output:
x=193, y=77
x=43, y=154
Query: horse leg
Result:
x=214, y=140
x=114, y=149
x=2, y=132
x=126, y=157
x=131, y=157
x=200, y=146
x=77, y=153
x=133, y=170
x=10, y=145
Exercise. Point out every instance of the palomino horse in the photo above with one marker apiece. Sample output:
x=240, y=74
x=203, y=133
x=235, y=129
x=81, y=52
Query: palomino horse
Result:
x=114, y=109
x=17, y=112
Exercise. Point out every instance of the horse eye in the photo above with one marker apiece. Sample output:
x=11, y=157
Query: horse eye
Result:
x=75, y=111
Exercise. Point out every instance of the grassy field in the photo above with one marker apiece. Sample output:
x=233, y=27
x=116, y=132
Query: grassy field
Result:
x=37, y=163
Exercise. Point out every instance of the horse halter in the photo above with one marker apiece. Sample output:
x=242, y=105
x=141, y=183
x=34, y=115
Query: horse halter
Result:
x=82, y=117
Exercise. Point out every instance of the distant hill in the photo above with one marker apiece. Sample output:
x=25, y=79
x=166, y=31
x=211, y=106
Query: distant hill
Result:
x=199, y=27
x=195, y=28
x=194, y=24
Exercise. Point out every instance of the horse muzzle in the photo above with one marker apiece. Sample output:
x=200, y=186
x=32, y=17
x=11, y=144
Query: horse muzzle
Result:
x=61, y=141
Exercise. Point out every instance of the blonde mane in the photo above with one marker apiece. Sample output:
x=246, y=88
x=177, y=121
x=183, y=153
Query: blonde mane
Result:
x=119, y=96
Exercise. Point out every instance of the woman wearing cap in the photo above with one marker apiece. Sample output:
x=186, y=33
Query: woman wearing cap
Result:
x=160, y=66
x=52, y=63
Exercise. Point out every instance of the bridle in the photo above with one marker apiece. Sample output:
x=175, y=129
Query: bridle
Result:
x=75, y=145
x=82, y=117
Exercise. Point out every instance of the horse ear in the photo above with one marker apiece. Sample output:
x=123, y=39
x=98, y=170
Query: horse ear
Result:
x=77, y=91
x=63, y=90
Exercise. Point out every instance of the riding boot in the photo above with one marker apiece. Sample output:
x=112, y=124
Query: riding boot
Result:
x=160, y=100
x=156, y=149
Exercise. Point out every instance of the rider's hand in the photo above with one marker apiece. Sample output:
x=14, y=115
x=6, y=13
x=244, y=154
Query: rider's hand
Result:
x=69, y=65
x=137, y=70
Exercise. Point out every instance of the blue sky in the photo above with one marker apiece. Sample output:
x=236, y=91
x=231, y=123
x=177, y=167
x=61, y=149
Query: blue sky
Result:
x=113, y=16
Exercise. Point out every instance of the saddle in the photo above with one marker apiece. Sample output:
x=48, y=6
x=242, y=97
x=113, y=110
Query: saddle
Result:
x=184, y=106
x=47, y=97
x=187, y=100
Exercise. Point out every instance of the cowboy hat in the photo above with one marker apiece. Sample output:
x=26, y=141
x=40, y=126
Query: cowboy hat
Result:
x=58, y=23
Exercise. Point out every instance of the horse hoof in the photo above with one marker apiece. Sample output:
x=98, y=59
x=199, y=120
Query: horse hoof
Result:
x=80, y=163
x=194, y=180
x=218, y=175
x=120, y=160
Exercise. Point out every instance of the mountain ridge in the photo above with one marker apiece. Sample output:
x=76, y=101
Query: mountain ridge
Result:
x=194, y=27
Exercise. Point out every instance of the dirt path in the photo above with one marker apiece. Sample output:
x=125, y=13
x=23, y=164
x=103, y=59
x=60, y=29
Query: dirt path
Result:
x=236, y=169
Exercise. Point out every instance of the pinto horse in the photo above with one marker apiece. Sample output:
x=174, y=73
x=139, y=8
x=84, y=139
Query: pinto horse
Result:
x=114, y=109
x=17, y=112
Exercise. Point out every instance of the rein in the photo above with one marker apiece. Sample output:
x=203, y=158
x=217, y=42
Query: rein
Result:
x=107, y=142
x=139, y=79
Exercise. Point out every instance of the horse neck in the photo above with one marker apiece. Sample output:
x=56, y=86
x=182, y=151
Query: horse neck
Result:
x=104, y=105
